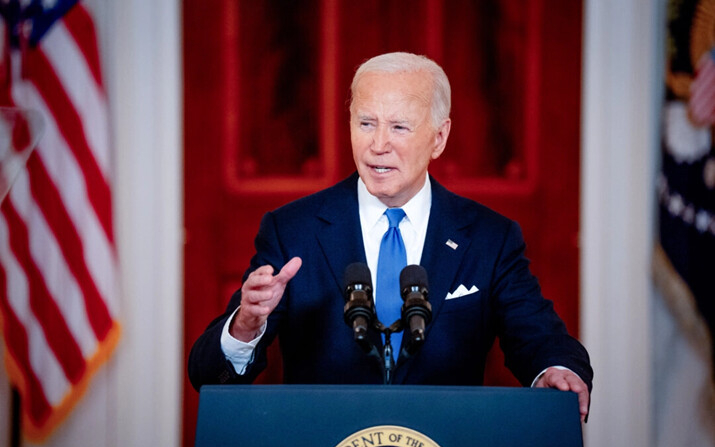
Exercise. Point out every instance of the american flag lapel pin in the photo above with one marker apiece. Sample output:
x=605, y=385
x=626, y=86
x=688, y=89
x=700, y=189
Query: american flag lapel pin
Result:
x=451, y=244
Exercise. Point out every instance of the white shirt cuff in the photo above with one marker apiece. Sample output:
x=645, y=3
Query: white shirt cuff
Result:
x=237, y=352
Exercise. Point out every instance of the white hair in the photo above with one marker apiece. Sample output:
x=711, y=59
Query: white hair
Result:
x=407, y=62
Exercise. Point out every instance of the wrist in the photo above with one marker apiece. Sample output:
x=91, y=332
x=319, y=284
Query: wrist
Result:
x=243, y=331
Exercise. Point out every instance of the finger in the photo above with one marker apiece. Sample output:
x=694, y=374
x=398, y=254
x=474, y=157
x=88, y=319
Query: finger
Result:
x=289, y=270
x=257, y=304
x=555, y=378
x=575, y=383
x=263, y=270
x=259, y=278
x=561, y=385
x=565, y=380
x=583, y=399
x=579, y=387
x=256, y=296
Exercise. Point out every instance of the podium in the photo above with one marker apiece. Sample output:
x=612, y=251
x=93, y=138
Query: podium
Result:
x=396, y=415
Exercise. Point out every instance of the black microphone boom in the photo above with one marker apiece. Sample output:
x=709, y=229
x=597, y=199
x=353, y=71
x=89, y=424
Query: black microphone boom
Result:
x=416, y=311
x=359, y=310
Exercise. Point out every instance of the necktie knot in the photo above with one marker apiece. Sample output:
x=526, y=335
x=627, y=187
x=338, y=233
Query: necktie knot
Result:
x=394, y=216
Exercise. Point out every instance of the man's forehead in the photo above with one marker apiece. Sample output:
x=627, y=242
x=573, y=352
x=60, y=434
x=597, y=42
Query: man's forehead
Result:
x=417, y=84
x=392, y=100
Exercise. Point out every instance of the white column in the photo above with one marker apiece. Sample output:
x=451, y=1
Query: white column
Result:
x=622, y=97
x=145, y=93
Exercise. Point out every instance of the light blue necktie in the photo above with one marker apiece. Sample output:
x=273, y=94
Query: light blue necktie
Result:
x=391, y=261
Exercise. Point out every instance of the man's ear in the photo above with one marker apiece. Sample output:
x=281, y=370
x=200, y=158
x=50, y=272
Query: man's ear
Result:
x=440, y=138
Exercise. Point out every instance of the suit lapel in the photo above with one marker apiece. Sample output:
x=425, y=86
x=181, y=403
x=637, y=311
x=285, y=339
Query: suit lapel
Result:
x=445, y=245
x=444, y=248
x=338, y=230
x=340, y=236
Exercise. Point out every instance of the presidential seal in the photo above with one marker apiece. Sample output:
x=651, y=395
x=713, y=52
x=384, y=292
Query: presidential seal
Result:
x=387, y=436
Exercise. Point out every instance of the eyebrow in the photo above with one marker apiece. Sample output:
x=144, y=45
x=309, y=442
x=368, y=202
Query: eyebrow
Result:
x=366, y=117
x=400, y=121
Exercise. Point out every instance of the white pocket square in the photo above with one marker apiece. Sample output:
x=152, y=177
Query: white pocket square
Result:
x=461, y=291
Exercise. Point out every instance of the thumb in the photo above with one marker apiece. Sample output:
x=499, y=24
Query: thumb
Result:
x=289, y=270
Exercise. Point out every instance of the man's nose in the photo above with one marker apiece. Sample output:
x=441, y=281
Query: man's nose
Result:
x=381, y=140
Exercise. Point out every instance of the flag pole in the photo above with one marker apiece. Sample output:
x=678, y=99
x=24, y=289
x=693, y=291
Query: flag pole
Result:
x=15, y=417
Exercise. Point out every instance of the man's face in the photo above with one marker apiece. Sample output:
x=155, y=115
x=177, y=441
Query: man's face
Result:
x=392, y=134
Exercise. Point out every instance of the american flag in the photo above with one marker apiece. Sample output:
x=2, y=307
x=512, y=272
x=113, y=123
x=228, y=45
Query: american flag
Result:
x=58, y=266
x=702, y=91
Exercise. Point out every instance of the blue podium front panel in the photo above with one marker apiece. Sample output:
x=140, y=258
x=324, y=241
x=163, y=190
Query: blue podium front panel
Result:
x=375, y=416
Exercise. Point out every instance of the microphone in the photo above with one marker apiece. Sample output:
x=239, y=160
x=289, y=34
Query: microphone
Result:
x=359, y=310
x=416, y=311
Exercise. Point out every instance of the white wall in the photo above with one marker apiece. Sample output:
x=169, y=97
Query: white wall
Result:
x=622, y=90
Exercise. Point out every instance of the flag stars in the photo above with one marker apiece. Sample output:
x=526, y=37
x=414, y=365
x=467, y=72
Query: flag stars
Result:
x=702, y=221
x=675, y=204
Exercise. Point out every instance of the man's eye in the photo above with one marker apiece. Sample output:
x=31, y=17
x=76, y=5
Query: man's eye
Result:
x=400, y=128
x=366, y=124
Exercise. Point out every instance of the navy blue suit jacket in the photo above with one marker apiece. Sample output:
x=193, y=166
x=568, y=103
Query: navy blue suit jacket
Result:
x=316, y=344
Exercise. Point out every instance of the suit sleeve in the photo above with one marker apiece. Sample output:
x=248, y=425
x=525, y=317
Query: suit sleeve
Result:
x=531, y=334
x=207, y=362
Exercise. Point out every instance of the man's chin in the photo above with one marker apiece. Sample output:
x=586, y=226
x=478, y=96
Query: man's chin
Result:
x=378, y=192
x=389, y=198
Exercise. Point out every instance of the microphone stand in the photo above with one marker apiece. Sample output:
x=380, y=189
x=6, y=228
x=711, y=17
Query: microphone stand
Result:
x=387, y=362
x=385, y=359
x=359, y=313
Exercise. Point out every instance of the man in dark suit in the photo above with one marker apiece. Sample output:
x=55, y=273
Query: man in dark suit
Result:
x=480, y=286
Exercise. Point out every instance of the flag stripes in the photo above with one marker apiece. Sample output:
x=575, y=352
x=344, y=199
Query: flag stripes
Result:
x=60, y=281
x=67, y=176
x=43, y=307
x=70, y=125
x=77, y=77
x=80, y=25
x=58, y=285
x=45, y=195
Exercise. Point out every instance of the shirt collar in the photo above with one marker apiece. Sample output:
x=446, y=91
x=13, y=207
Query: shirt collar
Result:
x=417, y=208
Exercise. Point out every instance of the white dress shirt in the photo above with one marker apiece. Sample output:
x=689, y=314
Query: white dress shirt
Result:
x=374, y=224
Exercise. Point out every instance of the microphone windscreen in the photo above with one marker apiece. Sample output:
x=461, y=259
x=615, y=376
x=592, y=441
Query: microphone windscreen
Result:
x=357, y=273
x=413, y=275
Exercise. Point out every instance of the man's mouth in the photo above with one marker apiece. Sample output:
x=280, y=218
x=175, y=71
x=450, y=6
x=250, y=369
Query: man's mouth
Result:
x=381, y=169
